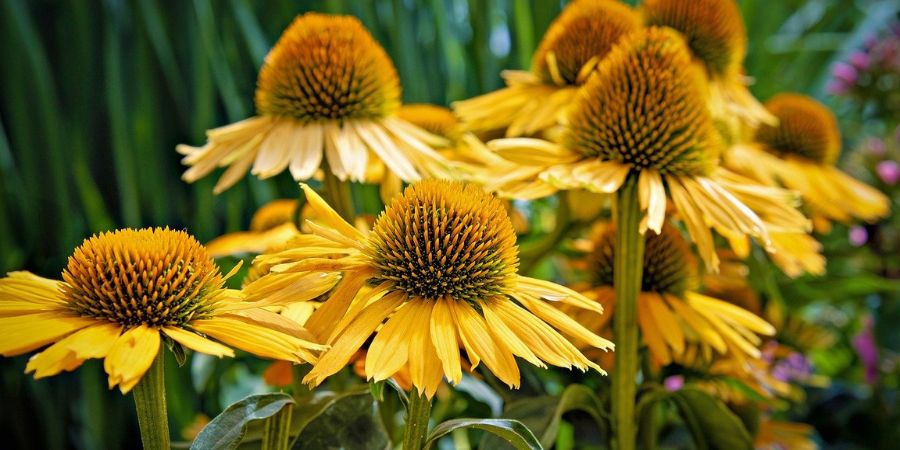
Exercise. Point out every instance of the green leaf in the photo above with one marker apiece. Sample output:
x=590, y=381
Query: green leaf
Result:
x=227, y=430
x=542, y=415
x=512, y=431
x=348, y=422
x=710, y=422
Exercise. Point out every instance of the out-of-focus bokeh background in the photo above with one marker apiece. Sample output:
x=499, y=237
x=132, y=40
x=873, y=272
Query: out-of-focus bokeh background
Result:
x=96, y=95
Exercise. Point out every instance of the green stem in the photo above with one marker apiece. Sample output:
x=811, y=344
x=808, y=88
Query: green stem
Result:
x=337, y=194
x=627, y=267
x=417, y=415
x=150, y=402
x=277, y=430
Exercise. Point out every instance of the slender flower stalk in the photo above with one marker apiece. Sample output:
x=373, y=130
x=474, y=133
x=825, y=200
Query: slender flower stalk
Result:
x=628, y=267
x=417, y=414
x=150, y=402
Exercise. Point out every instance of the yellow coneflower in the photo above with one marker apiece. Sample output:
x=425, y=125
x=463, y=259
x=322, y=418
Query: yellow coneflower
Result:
x=714, y=31
x=672, y=315
x=774, y=434
x=326, y=87
x=126, y=291
x=800, y=153
x=570, y=50
x=441, y=264
x=272, y=224
x=643, y=112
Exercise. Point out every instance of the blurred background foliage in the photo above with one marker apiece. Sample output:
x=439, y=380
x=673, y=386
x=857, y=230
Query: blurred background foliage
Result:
x=96, y=94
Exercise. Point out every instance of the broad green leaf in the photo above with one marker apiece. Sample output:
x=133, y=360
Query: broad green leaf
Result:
x=542, y=415
x=512, y=431
x=226, y=430
x=711, y=423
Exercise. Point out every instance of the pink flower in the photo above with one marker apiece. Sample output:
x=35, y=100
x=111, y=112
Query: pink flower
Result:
x=844, y=72
x=888, y=171
x=858, y=236
x=859, y=60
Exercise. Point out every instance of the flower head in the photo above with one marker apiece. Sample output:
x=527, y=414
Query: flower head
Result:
x=645, y=108
x=800, y=153
x=437, y=271
x=806, y=129
x=327, y=68
x=579, y=38
x=574, y=44
x=122, y=289
x=326, y=90
x=675, y=320
x=642, y=114
x=713, y=29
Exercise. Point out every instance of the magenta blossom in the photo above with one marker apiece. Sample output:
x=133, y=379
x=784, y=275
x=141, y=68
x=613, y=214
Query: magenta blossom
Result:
x=888, y=171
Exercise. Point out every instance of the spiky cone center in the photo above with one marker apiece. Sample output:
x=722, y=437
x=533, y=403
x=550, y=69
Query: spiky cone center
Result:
x=445, y=239
x=669, y=265
x=434, y=119
x=645, y=107
x=806, y=129
x=156, y=277
x=326, y=68
x=714, y=30
x=584, y=31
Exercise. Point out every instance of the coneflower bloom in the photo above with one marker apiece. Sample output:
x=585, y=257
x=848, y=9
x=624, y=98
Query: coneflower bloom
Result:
x=272, y=224
x=644, y=112
x=326, y=87
x=800, y=153
x=123, y=294
x=672, y=315
x=437, y=270
x=570, y=50
x=714, y=31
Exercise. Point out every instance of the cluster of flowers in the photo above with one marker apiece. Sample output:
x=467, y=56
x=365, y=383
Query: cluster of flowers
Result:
x=651, y=102
x=872, y=72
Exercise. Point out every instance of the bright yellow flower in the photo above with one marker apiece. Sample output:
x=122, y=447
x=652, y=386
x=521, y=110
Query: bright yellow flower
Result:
x=272, y=224
x=800, y=153
x=123, y=292
x=441, y=265
x=777, y=435
x=714, y=31
x=326, y=87
x=570, y=50
x=643, y=112
x=673, y=317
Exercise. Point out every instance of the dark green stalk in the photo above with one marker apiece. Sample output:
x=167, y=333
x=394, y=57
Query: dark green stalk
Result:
x=628, y=268
x=277, y=430
x=337, y=194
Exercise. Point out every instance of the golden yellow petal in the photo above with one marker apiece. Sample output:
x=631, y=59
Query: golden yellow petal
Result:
x=197, y=343
x=444, y=339
x=68, y=354
x=388, y=352
x=131, y=356
x=480, y=346
x=22, y=334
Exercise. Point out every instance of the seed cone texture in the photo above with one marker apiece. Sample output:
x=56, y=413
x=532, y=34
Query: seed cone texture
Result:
x=669, y=265
x=156, y=277
x=327, y=68
x=585, y=29
x=434, y=119
x=714, y=30
x=645, y=107
x=444, y=239
x=806, y=129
